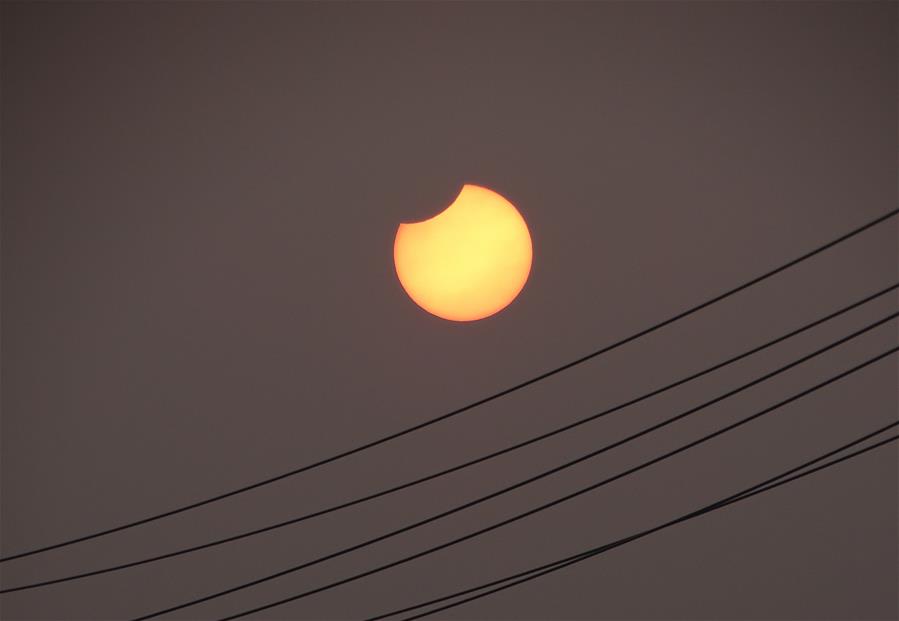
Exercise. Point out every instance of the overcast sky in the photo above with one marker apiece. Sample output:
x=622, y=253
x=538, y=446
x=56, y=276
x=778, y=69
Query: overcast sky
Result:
x=199, y=202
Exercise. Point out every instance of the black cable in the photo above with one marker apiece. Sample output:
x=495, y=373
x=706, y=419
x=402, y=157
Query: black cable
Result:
x=509, y=488
x=533, y=572
x=556, y=501
x=456, y=468
x=474, y=404
x=542, y=570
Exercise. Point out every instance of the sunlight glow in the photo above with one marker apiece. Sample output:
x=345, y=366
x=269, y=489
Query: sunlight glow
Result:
x=468, y=262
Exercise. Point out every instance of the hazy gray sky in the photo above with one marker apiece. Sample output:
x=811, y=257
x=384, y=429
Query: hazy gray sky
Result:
x=199, y=202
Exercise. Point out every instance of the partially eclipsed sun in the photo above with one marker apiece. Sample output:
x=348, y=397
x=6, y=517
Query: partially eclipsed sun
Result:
x=467, y=262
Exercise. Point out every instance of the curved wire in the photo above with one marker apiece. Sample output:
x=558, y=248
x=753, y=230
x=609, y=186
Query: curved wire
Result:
x=530, y=480
x=552, y=503
x=465, y=408
x=542, y=570
x=435, y=475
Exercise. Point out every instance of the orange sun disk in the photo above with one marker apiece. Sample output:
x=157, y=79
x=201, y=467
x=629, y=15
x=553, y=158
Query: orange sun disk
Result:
x=469, y=261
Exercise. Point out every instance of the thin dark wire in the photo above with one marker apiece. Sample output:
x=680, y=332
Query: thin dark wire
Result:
x=532, y=479
x=537, y=572
x=509, y=520
x=559, y=564
x=554, y=502
x=465, y=408
x=472, y=462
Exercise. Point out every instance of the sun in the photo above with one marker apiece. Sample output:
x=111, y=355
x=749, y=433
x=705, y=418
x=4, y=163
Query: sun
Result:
x=469, y=261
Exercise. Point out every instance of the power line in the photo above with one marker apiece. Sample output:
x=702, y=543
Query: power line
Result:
x=295, y=520
x=494, y=494
x=465, y=408
x=554, y=502
x=536, y=572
